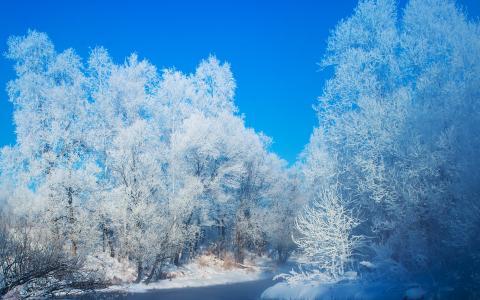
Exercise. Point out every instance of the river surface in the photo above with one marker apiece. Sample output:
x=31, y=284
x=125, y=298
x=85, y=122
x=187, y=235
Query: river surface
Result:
x=250, y=290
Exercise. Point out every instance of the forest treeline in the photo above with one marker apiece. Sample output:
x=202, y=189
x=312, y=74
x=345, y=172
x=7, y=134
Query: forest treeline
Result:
x=150, y=166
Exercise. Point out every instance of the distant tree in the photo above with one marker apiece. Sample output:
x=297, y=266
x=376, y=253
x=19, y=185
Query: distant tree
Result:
x=278, y=219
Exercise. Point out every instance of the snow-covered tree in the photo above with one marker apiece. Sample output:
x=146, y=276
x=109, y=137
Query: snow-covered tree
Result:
x=397, y=120
x=278, y=218
x=141, y=164
x=325, y=234
x=51, y=106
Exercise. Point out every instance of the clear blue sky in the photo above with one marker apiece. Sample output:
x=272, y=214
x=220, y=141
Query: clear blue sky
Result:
x=273, y=47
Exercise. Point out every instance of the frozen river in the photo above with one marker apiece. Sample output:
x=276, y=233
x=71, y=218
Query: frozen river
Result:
x=236, y=291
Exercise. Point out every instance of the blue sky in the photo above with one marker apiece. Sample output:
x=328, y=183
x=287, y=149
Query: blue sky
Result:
x=273, y=47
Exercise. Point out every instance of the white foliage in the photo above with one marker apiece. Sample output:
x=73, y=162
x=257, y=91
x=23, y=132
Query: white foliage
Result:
x=325, y=236
x=397, y=132
x=121, y=158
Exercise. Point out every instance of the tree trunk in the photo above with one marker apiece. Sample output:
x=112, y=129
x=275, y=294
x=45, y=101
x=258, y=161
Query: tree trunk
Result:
x=282, y=255
x=238, y=248
x=71, y=221
x=112, y=249
x=104, y=239
x=223, y=240
x=74, y=248
x=139, y=271
x=176, y=259
x=150, y=276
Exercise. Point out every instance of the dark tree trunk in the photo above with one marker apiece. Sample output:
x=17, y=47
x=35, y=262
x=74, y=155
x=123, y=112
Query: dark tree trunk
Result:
x=156, y=263
x=239, y=257
x=139, y=271
x=176, y=259
x=71, y=220
x=112, y=249
x=282, y=255
x=104, y=238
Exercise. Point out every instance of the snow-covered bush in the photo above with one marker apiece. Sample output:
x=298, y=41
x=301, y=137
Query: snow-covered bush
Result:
x=37, y=264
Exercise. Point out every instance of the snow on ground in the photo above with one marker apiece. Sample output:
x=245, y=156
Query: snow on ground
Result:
x=352, y=290
x=340, y=291
x=203, y=271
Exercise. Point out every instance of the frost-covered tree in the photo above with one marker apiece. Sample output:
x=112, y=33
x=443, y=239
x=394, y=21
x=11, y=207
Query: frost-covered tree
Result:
x=51, y=106
x=325, y=234
x=141, y=164
x=398, y=119
x=256, y=191
x=278, y=218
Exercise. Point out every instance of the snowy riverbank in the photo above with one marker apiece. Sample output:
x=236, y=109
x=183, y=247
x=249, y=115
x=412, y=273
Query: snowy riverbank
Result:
x=205, y=270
